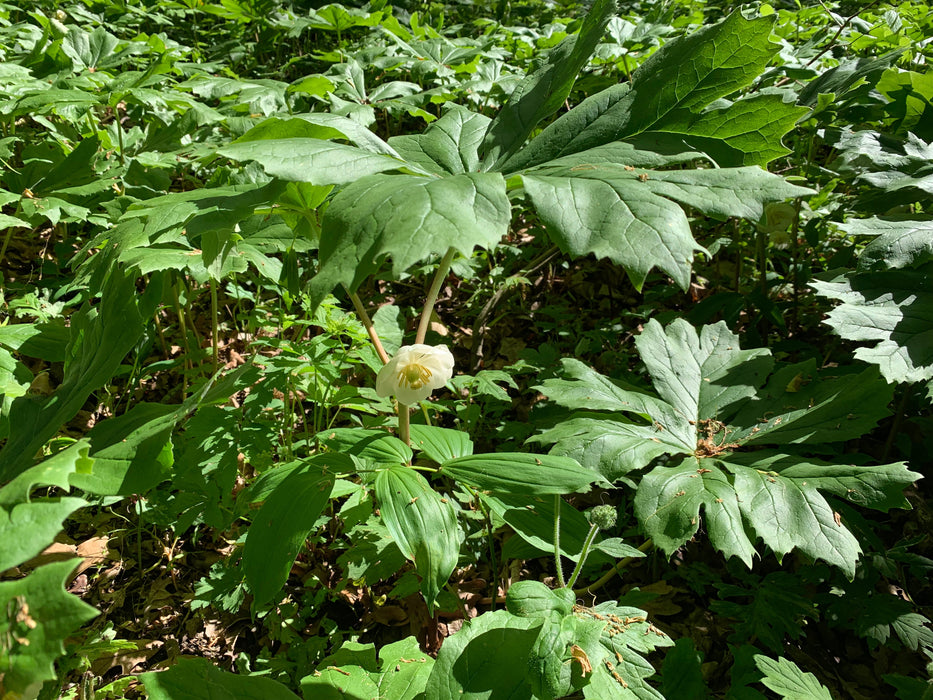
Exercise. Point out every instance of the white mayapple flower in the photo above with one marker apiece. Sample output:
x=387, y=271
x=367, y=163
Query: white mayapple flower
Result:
x=414, y=372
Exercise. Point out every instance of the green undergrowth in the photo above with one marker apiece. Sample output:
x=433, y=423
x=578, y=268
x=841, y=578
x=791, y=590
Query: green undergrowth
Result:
x=474, y=350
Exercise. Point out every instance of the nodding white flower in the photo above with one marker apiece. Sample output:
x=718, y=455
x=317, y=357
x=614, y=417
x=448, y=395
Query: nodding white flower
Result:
x=415, y=371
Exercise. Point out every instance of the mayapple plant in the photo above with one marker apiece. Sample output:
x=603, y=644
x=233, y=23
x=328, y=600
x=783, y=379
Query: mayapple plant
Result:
x=610, y=177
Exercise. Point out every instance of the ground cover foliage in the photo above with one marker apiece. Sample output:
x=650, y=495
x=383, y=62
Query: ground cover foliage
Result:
x=678, y=255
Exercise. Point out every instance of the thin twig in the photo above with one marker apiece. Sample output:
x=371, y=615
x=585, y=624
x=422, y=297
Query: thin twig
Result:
x=621, y=564
x=832, y=42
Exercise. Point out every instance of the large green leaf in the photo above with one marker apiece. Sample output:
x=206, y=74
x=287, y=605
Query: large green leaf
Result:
x=899, y=171
x=132, y=452
x=401, y=674
x=802, y=404
x=320, y=125
x=199, y=679
x=776, y=495
x=373, y=446
x=409, y=219
x=282, y=525
x=900, y=243
x=628, y=635
x=713, y=404
x=603, y=201
x=521, y=473
x=787, y=680
x=448, y=146
x=893, y=310
x=59, y=470
x=534, y=599
x=669, y=92
x=100, y=337
x=616, y=219
x=609, y=447
x=486, y=660
x=702, y=377
x=441, y=444
x=668, y=503
x=311, y=160
x=744, y=132
x=36, y=616
x=877, y=486
x=423, y=524
x=28, y=528
x=544, y=88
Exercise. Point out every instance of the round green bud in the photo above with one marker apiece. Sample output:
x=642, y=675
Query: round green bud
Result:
x=603, y=517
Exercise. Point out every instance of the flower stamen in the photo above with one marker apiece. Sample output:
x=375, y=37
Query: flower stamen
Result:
x=414, y=375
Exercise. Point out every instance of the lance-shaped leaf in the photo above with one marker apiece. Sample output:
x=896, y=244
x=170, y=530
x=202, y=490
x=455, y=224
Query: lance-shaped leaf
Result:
x=423, y=524
x=37, y=616
x=545, y=87
x=894, y=310
x=282, y=525
x=441, y=444
x=100, y=338
x=521, y=473
x=409, y=219
x=670, y=90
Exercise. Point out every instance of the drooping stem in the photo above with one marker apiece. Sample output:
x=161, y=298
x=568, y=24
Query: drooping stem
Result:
x=584, y=553
x=404, y=427
x=621, y=564
x=368, y=325
x=557, y=562
x=429, y=301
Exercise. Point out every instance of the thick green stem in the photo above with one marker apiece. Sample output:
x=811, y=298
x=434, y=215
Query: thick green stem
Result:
x=429, y=301
x=404, y=427
x=557, y=562
x=368, y=325
x=584, y=553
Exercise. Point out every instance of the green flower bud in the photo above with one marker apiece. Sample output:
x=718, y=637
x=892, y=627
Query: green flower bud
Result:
x=603, y=517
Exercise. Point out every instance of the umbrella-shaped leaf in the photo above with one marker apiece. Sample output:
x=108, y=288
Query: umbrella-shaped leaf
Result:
x=408, y=219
